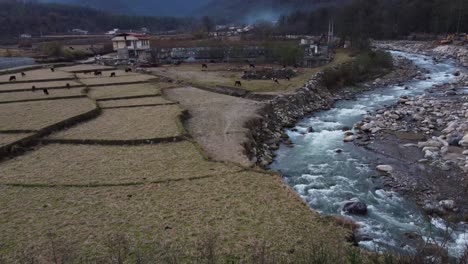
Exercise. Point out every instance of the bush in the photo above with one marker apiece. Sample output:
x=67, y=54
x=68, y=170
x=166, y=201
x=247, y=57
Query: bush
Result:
x=364, y=66
x=52, y=49
x=71, y=55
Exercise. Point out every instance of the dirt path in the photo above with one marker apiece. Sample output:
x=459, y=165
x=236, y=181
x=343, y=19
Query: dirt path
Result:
x=217, y=121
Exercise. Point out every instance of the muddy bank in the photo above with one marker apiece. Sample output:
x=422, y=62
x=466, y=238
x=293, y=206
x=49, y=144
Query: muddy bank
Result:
x=284, y=111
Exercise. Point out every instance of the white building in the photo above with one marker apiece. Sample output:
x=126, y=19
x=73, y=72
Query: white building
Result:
x=131, y=45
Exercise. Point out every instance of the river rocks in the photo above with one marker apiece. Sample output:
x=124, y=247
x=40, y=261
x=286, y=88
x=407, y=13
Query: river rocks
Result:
x=384, y=168
x=447, y=204
x=441, y=122
x=349, y=138
x=464, y=141
x=356, y=208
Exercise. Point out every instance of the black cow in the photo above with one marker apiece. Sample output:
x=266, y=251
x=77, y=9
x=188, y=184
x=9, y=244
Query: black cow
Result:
x=52, y=69
x=12, y=78
x=68, y=85
x=204, y=66
x=112, y=74
x=252, y=65
x=276, y=80
x=23, y=74
x=288, y=78
x=34, y=88
x=46, y=92
x=238, y=83
x=98, y=73
x=128, y=70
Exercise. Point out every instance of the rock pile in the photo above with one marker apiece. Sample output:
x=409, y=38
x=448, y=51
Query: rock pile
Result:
x=440, y=124
x=269, y=73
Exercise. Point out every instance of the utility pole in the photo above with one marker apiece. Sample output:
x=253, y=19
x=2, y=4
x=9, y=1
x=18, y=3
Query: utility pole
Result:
x=331, y=32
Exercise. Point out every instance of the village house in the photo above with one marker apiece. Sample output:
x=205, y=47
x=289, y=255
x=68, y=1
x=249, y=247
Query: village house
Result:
x=131, y=45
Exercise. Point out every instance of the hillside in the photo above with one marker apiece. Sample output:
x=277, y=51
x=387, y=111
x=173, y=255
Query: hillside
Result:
x=176, y=8
x=17, y=17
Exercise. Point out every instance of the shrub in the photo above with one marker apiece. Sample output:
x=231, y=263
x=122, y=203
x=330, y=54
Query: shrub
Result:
x=52, y=49
x=364, y=66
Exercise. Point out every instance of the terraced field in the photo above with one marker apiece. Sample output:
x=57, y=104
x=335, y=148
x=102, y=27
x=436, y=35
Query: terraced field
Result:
x=130, y=176
x=38, y=75
x=41, y=114
x=134, y=123
x=38, y=95
x=9, y=87
x=118, y=91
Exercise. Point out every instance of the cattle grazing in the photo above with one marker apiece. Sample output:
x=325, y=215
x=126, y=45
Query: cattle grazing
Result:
x=284, y=66
x=46, y=92
x=288, y=78
x=296, y=65
x=97, y=73
x=112, y=74
x=71, y=48
x=276, y=80
x=252, y=65
x=12, y=78
x=68, y=85
x=23, y=74
x=52, y=69
x=34, y=88
x=177, y=63
x=204, y=66
x=128, y=70
x=238, y=83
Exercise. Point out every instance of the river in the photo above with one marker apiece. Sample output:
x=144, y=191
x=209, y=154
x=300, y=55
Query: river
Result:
x=326, y=180
x=11, y=62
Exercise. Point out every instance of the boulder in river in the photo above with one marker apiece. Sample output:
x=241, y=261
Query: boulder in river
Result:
x=385, y=168
x=357, y=208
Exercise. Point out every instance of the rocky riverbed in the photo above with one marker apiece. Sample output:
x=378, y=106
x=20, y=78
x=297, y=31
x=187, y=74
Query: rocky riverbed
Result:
x=425, y=138
x=284, y=111
x=437, y=52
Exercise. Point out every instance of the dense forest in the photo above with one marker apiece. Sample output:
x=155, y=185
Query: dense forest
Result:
x=382, y=19
x=17, y=17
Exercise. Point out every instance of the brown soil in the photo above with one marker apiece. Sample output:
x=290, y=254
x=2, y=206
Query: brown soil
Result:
x=217, y=121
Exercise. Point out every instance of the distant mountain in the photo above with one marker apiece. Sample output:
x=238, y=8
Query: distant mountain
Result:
x=176, y=8
x=252, y=10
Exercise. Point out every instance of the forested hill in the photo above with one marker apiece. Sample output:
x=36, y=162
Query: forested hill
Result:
x=383, y=19
x=17, y=17
x=252, y=10
x=177, y=8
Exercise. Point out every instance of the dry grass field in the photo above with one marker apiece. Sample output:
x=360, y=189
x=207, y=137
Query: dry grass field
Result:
x=24, y=96
x=39, y=85
x=225, y=75
x=241, y=208
x=41, y=114
x=38, y=75
x=8, y=138
x=144, y=101
x=117, y=91
x=105, y=80
x=129, y=124
x=78, y=198
x=84, y=165
x=85, y=67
